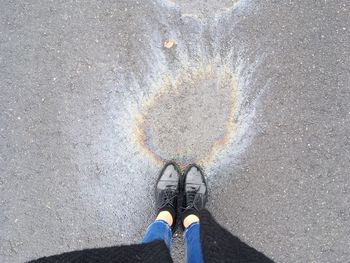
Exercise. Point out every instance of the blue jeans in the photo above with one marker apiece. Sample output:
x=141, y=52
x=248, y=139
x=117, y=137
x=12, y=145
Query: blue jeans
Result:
x=160, y=230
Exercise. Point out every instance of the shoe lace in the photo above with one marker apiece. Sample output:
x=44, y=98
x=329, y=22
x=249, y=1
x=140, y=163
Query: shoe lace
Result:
x=191, y=197
x=168, y=196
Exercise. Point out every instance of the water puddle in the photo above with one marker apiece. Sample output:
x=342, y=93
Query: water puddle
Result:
x=190, y=118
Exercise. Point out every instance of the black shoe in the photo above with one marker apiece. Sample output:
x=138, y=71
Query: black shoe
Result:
x=194, y=191
x=167, y=191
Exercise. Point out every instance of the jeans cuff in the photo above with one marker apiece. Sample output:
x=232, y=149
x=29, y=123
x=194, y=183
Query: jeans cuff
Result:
x=190, y=227
x=164, y=222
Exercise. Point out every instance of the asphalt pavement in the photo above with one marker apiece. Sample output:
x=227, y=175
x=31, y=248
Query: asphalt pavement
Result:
x=96, y=95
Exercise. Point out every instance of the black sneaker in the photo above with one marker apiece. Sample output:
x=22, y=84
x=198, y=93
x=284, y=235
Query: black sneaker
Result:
x=167, y=191
x=194, y=191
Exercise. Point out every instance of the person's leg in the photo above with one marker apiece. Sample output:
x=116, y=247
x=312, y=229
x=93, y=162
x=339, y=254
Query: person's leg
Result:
x=193, y=243
x=167, y=189
x=194, y=199
x=159, y=230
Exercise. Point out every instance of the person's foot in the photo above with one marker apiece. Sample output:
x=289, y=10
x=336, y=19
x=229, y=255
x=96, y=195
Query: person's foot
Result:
x=167, y=191
x=194, y=195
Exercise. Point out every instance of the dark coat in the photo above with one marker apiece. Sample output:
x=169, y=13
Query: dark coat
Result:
x=218, y=245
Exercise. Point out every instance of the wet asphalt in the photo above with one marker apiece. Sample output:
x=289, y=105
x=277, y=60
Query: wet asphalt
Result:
x=89, y=93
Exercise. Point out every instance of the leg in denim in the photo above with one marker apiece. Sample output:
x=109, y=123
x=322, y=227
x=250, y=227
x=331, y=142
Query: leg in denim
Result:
x=158, y=230
x=193, y=244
